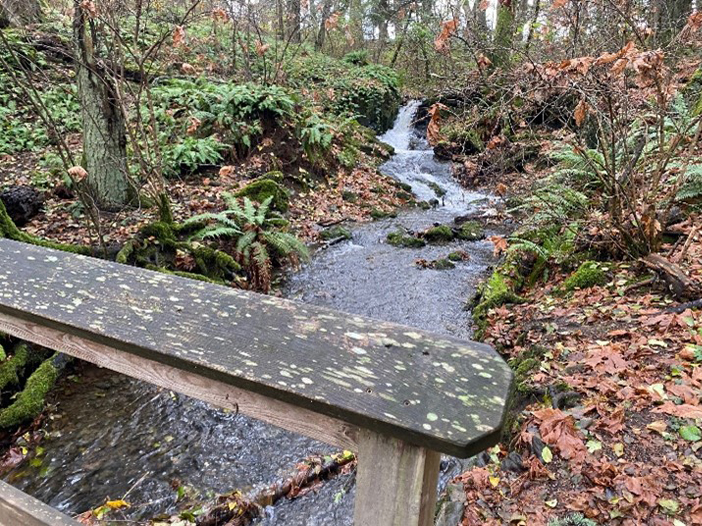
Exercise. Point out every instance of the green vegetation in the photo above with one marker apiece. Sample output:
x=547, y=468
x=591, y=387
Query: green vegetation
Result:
x=470, y=231
x=401, y=239
x=439, y=234
x=256, y=233
x=589, y=274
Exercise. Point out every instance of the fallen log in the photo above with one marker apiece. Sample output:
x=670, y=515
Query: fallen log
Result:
x=680, y=285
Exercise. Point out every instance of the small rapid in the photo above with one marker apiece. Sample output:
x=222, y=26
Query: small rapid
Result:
x=111, y=436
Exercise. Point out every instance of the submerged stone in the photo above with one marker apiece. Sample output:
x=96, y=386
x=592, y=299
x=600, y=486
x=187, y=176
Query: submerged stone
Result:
x=400, y=239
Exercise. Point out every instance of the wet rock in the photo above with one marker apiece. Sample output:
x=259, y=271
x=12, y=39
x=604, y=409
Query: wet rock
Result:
x=470, y=231
x=443, y=264
x=22, y=203
x=439, y=234
x=482, y=460
x=513, y=463
x=335, y=232
x=450, y=513
x=377, y=213
x=438, y=190
x=401, y=239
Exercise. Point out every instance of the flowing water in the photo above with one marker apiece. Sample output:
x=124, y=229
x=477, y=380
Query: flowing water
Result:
x=111, y=435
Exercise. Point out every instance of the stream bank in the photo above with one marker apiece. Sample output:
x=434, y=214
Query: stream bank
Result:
x=111, y=435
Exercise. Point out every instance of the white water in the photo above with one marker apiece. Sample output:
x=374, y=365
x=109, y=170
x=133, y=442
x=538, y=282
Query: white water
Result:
x=414, y=164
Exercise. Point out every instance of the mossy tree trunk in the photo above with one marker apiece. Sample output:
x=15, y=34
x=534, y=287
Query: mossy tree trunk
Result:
x=104, y=132
x=20, y=12
x=504, y=33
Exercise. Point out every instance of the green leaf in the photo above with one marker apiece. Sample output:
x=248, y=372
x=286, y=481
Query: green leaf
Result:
x=593, y=445
x=546, y=455
x=691, y=433
x=670, y=506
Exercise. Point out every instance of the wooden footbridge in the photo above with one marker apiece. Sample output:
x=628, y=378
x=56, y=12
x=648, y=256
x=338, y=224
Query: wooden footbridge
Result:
x=397, y=396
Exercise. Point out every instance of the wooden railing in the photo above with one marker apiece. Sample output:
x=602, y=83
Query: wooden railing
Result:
x=397, y=396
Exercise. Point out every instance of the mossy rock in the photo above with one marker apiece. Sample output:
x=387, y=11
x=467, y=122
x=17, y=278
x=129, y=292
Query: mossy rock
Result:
x=492, y=294
x=455, y=256
x=470, y=231
x=404, y=186
x=438, y=190
x=377, y=213
x=444, y=264
x=335, y=232
x=439, y=234
x=405, y=196
x=589, y=274
x=400, y=239
x=262, y=189
x=524, y=364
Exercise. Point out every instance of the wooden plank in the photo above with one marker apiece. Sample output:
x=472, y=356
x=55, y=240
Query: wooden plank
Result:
x=434, y=391
x=395, y=482
x=281, y=414
x=18, y=508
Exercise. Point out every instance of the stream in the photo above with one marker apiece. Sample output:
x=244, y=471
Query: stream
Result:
x=110, y=435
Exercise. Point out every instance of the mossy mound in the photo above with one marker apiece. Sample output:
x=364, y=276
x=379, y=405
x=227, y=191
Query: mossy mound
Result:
x=335, y=232
x=262, y=189
x=589, y=274
x=377, y=213
x=401, y=239
x=470, y=231
x=439, y=234
x=492, y=294
x=523, y=366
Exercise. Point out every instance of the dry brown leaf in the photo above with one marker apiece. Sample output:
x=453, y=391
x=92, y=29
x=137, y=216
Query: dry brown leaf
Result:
x=448, y=29
x=500, y=244
x=178, y=36
x=434, y=128
x=558, y=429
x=581, y=111
x=77, y=173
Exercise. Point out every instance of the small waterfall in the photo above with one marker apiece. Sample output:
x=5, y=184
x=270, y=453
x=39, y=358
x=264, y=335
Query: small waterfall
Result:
x=399, y=135
x=414, y=164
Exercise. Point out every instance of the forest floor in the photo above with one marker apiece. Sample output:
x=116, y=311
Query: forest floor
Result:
x=609, y=381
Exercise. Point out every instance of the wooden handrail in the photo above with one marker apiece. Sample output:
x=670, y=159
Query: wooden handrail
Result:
x=396, y=395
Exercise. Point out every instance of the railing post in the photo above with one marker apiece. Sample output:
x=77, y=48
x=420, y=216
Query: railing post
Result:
x=395, y=482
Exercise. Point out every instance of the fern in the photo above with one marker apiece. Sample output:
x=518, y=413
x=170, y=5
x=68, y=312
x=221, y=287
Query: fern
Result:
x=257, y=233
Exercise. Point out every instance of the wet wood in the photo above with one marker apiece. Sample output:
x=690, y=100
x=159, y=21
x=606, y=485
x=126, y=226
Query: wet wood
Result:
x=18, y=508
x=678, y=282
x=280, y=414
x=396, y=482
x=437, y=392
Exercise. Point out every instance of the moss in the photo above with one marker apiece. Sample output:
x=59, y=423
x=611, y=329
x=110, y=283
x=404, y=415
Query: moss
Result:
x=214, y=263
x=588, y=275
x=30, y=402
x=350, y=197
x=10, y=370
x=439, y=234
x=377, y=213
x=3, y=356
x=443, y=264
x=440, y=192
x=262, y=189
x=470, y=231
x=494, y=293
x=335, y=233
x=189, y=275
x=9, y=230
x=404, y=186
x=400, y=239
x=524, y=364
x=405, y=196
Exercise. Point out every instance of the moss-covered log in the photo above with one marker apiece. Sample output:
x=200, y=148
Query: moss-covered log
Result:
x=9, y=230
x=30, y=401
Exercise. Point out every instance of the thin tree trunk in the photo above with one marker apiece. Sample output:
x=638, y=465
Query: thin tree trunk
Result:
x=322, y=32
x=104, y=133
x=294, y=21
x=504, y=33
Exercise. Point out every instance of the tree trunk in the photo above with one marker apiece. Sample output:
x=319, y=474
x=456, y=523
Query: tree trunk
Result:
x=20, y=12
x=104, y=133
x=670, y=16
x=504, y=33
x=294, y=21
x=322, y=32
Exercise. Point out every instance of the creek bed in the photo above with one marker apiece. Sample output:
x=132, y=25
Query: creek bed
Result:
x=111, y=435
